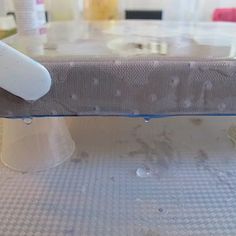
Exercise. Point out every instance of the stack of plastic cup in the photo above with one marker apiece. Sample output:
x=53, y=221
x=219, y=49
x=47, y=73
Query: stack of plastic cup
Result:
x=30, y=15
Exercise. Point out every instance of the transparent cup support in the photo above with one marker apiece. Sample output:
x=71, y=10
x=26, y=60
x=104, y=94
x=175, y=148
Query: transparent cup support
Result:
x=36, y=146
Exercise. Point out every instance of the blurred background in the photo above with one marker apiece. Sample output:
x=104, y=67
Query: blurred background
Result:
x=169, y=10
x=201, y=10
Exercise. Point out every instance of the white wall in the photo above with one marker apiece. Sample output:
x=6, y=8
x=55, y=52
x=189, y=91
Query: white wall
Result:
x=9, y=5
x=181, y=9
x=207, y=7
x=145, y=4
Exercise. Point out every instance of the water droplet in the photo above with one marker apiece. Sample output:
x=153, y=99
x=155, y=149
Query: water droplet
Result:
x=74, y=97
x=187, y=103
x=174, y=81
x=28, y=121
x=147, y=120
x=95, y=81
x=222, y=107
x=143, y=172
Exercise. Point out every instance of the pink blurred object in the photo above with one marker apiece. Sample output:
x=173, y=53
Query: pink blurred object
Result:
x=225, y=14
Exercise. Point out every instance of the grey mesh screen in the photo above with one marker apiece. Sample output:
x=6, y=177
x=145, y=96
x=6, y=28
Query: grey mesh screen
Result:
x=132, y=86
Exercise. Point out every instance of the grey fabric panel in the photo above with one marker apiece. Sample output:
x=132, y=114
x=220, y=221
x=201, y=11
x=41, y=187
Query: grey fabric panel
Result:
x=132, y=86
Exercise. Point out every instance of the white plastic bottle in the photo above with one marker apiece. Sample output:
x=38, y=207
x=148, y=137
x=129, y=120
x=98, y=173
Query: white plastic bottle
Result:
x=28, y=80
x=30, y=15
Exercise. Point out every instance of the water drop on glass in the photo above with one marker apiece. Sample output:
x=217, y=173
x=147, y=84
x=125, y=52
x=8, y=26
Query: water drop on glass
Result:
x=143, y=172
x=28, y=121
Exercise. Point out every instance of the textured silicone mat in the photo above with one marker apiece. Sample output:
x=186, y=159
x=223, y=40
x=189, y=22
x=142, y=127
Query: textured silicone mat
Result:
x=186, y=182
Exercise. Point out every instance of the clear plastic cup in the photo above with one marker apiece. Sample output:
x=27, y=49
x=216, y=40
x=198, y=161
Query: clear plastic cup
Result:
x=35, y=145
